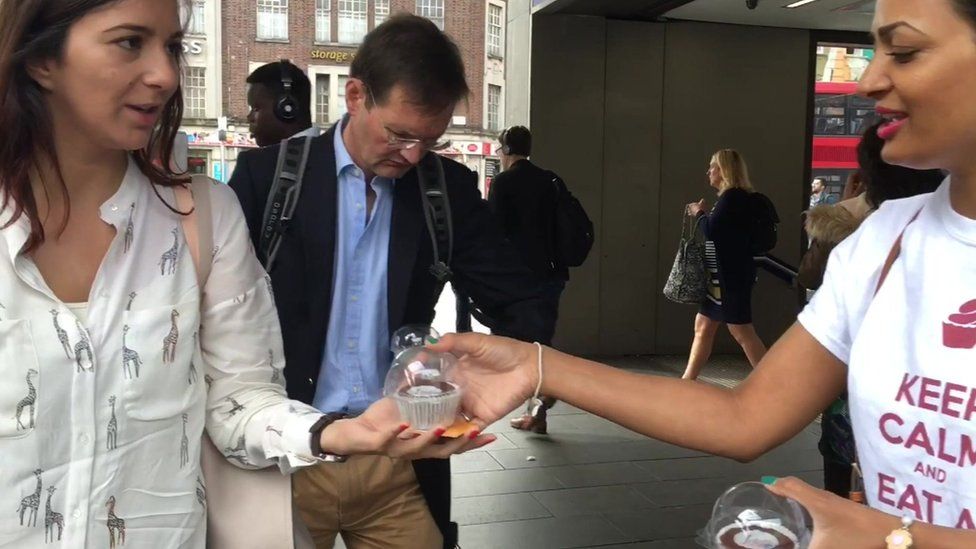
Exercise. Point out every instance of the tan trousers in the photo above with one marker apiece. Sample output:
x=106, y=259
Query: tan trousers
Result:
x=373, y=501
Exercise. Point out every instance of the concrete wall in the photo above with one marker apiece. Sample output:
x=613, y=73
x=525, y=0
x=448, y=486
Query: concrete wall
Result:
x=629, y=113
x=518, y=58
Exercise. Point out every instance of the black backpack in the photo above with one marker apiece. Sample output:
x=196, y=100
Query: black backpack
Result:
x=764, y=221
x=287, y=187
x=572, y=229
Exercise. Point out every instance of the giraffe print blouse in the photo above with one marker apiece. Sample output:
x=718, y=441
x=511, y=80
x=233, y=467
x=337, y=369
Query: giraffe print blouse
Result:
x=101, y=419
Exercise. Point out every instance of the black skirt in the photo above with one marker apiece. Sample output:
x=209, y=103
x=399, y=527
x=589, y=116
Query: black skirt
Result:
x=728, y=300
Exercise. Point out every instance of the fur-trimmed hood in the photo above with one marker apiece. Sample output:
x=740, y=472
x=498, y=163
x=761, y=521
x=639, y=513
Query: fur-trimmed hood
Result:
x=831, y=223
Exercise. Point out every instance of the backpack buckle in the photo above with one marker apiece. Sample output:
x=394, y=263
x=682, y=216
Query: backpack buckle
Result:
x=441, y=271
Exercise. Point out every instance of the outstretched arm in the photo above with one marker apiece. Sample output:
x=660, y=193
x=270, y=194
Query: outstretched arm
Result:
x=796, y=380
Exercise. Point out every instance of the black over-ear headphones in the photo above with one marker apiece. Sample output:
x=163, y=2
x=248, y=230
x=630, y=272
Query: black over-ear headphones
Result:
x=503, y=139
x=286, y=107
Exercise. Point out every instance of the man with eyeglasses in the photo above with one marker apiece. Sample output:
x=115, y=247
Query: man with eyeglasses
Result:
x=354, y=264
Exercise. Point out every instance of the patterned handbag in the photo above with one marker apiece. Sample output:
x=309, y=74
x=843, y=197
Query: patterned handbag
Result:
x=688, y=281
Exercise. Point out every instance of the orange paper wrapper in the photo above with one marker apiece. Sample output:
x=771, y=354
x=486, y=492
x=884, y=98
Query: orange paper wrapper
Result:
x=460, y=428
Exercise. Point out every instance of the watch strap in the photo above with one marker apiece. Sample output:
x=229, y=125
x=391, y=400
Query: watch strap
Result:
x=315, y=436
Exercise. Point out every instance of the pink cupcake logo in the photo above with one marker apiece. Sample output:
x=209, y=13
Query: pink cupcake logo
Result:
x=959, y=331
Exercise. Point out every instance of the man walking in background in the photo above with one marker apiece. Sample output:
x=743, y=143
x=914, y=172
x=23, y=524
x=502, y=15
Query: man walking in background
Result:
x=523, y=198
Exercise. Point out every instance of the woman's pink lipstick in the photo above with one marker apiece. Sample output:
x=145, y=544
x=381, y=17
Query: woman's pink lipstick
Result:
x=894, y=123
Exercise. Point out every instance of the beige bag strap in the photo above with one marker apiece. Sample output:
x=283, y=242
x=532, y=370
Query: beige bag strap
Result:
x=198, y=226
x=245, y=508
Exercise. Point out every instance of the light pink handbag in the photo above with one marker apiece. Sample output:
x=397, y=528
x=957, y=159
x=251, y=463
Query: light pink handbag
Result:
x=245, y=508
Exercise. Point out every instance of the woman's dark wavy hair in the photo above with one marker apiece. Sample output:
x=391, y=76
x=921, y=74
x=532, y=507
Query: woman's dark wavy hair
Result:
x=32, y=30
x=884, y=181
x=967, y=8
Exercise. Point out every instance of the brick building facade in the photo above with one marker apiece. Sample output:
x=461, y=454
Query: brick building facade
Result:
x=321, y=37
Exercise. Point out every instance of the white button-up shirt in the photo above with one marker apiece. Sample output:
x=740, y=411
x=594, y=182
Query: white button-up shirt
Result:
x=101, y=413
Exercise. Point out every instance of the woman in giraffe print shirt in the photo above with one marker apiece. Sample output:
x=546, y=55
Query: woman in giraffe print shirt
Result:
x=111, y=364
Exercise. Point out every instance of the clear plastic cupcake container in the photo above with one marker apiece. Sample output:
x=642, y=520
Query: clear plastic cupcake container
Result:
x=425, y=407
x=422, y=384
x=749, y=516
x=413, y=335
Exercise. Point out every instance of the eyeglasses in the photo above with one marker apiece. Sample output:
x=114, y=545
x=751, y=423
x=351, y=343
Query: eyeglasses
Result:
x=407, y=143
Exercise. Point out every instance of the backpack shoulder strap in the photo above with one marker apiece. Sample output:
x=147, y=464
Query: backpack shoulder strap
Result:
x=437, y=213
x=283, y=197
x=198, y=225
x=557, y=181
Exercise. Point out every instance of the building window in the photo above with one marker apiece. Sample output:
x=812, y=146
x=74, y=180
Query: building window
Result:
x=197, y=162
x=195, y=92
x=322, y=99
x=198, y=21
x=494, y=104
x=341, y=94
x=272, y=19
x=496, y=46
x=381, y=12
x=323, y=21
x=352, y=21
x=433, y=10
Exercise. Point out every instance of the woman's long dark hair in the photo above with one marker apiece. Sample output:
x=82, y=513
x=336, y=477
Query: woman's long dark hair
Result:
x=32, y=30
x=883, y=181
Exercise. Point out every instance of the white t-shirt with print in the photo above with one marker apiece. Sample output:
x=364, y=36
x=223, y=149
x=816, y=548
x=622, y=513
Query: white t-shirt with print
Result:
x=911, y=355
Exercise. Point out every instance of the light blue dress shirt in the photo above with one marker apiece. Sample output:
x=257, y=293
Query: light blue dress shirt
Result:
x=357, y=347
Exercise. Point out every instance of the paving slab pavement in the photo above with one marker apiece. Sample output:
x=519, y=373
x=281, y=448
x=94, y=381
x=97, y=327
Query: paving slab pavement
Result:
x=596, y=484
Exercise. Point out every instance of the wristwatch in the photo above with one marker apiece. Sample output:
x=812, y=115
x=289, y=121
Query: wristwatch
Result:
x=315, y=437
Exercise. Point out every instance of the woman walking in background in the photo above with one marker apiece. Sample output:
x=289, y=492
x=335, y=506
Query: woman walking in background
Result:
x=728, y=262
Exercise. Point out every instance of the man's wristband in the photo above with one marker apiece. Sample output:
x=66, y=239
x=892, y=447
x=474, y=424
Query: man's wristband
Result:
x=315, y=436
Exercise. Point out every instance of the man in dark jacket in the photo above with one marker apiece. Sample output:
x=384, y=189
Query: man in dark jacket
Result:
x=523, y=198
x=354, y=264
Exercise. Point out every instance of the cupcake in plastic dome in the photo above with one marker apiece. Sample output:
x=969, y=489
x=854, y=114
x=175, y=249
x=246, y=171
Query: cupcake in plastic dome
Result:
x=748, y=516
x=422, y=384
x=414, y=335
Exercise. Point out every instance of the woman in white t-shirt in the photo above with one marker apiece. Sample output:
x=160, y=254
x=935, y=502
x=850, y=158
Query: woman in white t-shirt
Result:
x=111, y=362
x=906, y=349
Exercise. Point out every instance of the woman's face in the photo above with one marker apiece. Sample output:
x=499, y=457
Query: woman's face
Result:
x=923, y=77
x=714, y=175
x=117, y=71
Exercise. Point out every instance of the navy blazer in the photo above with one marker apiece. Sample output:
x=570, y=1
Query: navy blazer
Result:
x=485, y=266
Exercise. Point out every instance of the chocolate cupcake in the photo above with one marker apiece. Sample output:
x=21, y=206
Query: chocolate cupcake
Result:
x=429, y=405
x=756, y=535
x=423, y=385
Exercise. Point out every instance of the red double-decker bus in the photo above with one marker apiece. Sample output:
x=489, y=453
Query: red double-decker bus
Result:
x=840, y=117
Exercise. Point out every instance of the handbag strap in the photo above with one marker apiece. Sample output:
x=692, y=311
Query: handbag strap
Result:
x=893, y=255
x=689, y=228
x=198, y=225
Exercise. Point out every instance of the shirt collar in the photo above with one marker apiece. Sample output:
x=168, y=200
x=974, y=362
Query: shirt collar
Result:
x=115, y=210
x=343, y=159
x=16, y=234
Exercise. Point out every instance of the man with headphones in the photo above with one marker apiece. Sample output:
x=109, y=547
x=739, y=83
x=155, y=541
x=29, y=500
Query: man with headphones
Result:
x=523, y=198
x=279, y=96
